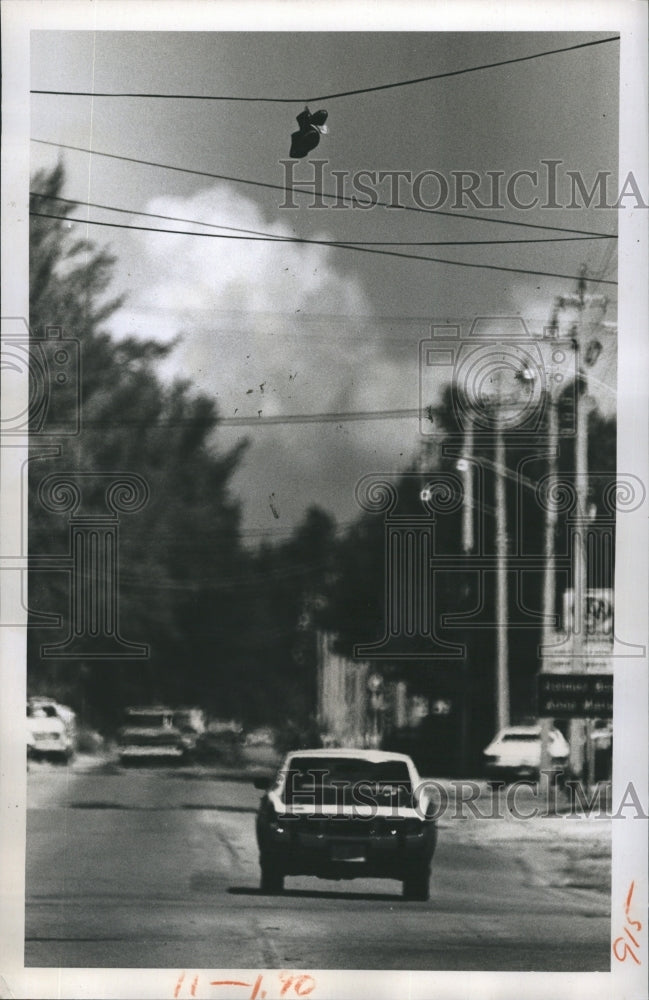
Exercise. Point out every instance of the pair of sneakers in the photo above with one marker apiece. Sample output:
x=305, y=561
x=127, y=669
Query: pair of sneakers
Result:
x=312, y=126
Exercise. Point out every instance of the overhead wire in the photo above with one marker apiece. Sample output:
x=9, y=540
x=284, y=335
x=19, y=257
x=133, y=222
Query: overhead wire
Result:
x=279, y=238
x=359, y=246
x=285, y=189
x=261, y=421
x=340, y=246
x=343, y=93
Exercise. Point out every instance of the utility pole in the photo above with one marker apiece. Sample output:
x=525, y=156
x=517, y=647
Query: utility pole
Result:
x=502, y=648
x=549, y=568
x=582, y=752
x=502, y=409
x=465, y=467
x=579, y=567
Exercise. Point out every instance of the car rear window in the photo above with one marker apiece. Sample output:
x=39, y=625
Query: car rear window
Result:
x=323, y=777
x=41, y=712
x=148, y=720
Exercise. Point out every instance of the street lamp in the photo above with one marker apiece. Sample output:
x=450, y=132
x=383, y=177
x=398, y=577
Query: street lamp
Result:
x=549, y=564
x=465, y=468
x=503, y=408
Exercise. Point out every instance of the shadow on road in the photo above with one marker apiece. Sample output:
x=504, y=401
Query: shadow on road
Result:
x=197, y=806
x=238, y=890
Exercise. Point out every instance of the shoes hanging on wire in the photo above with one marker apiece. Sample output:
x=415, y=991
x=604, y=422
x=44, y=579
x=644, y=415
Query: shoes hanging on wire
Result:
x=312, y=126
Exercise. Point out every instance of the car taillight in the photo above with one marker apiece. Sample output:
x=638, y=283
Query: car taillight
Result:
x=383, y=826
x=276, y=824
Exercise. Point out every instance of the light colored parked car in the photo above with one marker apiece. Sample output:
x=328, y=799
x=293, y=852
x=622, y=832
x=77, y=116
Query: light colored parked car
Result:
x=515, y=752
x=192, y=724
x=51, y=729
x=222, y=739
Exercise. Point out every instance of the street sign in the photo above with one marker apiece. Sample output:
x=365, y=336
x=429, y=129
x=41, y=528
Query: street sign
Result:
x=575, y=696
x=598, y=612
x=597, y=658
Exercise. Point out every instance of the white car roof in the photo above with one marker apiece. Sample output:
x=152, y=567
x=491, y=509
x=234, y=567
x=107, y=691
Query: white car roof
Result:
x=375, y=756
x=521, y=731
x=148, y=710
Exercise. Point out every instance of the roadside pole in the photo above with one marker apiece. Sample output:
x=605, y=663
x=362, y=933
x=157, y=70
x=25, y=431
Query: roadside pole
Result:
x=502, y=650
x=579, y=568
x=549, y=568
x=465, y=466
x=582, y=750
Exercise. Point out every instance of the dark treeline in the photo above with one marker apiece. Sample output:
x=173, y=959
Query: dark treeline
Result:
x=230, y=628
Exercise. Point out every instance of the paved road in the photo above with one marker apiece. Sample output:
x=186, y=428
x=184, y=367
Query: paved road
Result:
x=148, y=869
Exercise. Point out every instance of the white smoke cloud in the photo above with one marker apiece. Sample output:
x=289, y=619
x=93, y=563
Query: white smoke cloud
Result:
x=271, y=329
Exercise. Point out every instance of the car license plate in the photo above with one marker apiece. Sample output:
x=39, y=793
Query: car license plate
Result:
x=347, y=852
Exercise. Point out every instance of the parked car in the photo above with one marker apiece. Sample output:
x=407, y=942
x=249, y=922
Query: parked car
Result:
x=515, y=752
x=601, y=737
x=192, y=724
x=340, y=814
x=150, y=734
x=51, y=729
x=264, y=736
x=221, y=740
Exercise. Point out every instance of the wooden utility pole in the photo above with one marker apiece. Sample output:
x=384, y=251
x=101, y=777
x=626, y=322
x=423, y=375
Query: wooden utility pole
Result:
x=465, y=466
x=582, y=752
x=502, y=646
x=549, y=568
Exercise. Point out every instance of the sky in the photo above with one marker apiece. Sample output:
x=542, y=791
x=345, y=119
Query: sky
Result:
x=284, y=329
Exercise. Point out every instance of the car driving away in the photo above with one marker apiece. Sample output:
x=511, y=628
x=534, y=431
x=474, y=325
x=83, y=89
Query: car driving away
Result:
x=343, y=814
x=515, y=752
x=149, y=735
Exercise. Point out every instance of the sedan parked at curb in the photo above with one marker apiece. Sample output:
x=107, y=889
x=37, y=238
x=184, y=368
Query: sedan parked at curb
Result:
x=515, y=752
x=342, y=814
x=51, y=730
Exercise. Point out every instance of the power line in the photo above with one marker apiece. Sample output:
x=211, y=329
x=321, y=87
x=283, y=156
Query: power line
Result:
x=340, y=246
x=322, y=194
x=607, y=260
x=342, y=93
x=261, y=421
x=277, y=238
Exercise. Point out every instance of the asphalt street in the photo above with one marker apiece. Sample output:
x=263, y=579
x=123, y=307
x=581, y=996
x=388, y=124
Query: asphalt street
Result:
x=147, y=868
